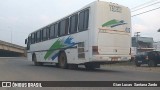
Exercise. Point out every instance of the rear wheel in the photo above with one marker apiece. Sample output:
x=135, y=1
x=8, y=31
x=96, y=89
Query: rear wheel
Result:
x=152, y=63
x=92, y=66
x=88, y=67
x=73, y=66
x=62, y=60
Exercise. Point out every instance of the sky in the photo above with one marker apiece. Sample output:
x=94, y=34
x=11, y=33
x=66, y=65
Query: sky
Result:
x=18, y=18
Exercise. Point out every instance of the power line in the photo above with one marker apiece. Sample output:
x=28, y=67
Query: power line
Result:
x=145, y=6
x=146, y=12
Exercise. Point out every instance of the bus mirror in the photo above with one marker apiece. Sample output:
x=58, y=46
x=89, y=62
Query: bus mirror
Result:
x=25, y=41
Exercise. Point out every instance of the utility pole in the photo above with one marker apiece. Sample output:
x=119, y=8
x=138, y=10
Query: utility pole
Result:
x=137, y=35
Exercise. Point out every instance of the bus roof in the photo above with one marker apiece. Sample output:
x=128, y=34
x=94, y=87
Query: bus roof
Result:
x=79, y=10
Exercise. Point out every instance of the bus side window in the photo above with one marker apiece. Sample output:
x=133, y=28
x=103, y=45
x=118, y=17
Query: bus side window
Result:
x=28, y=42
x=83, y=20
x=67, y=26
x=47, y=32
x=35, y=37
x=44, y=35
x=86, y=19
x=56, y=34
x=73, y=24
x=32, y=38
x=63, y=27
x=41, y=34
x=38, y=36
x=51, y=34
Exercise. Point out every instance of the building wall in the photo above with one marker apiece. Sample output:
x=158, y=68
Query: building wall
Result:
x=156, y=45
x=143, y=43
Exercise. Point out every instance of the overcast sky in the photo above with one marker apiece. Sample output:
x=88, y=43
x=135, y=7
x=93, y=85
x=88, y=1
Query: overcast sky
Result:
x=18, y=18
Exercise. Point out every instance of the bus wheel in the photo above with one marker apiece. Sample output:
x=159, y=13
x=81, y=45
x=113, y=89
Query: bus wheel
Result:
x=62, y=60
x=92, y=66
x=34, y=59
x=89, y=67
x=73, y=66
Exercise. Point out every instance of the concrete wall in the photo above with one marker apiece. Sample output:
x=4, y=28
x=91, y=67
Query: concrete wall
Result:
x=11, y=50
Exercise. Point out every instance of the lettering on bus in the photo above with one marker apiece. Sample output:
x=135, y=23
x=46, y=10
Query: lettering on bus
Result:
x=115, y=8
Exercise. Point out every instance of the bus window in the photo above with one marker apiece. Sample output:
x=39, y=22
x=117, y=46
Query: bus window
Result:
x=56, y=30
x=28, y=42
x=32, y=38
x=66, y=26
x=51, y=34
x=86, y=18
x=44, y=35
x=38, y=37
x=41, y=35
x=63, y=27
x=73, y=24
x=83, y=20
x=47, y=32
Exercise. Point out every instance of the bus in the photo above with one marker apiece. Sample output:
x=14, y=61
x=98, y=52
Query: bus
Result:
x=99, y=33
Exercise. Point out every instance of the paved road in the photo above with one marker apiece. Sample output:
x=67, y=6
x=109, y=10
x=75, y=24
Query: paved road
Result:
x=19, y=69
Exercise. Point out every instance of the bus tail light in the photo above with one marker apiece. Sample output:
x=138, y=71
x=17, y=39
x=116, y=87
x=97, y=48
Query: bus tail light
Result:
x=95, y=50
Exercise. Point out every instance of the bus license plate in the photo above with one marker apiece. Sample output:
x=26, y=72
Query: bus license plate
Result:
x=114, y=58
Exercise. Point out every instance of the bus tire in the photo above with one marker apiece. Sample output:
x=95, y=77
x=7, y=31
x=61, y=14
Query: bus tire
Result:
x=62, y=60
x=89, y=67
x=34, y=59
x=73, y=66
x=92, y=66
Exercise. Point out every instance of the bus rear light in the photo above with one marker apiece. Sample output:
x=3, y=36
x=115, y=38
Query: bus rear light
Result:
x=95, y=50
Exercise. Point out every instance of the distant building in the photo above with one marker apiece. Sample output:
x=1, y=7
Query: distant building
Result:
x=156, y=45
x=143, y=44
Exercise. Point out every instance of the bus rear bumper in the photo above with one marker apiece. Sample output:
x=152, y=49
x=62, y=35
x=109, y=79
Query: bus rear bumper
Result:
x=110, y=58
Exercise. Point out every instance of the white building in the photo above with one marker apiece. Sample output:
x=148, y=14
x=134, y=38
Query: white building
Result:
x=156, y=45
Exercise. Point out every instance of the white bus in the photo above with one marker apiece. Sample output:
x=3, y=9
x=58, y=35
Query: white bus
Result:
x=99, y=33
